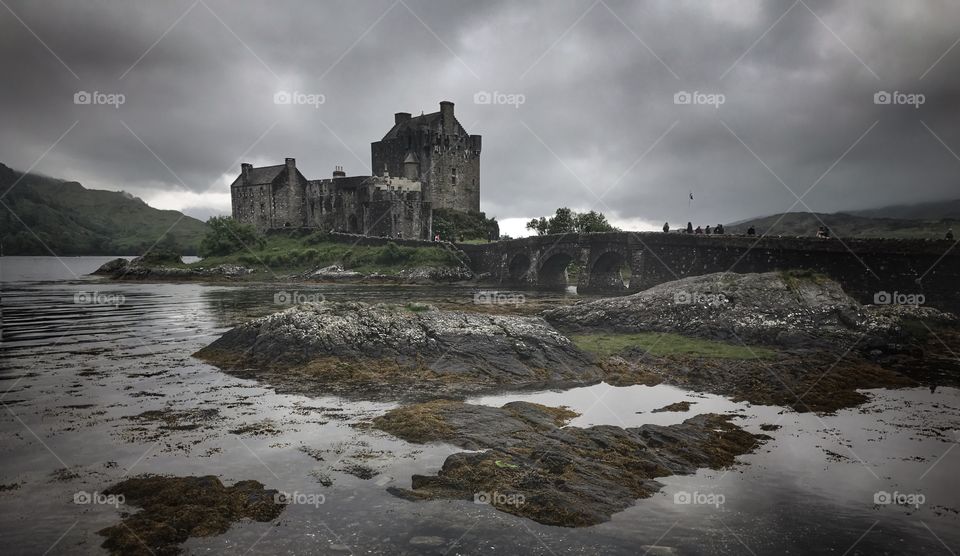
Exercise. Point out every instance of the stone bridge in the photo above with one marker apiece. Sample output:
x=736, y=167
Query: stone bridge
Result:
x=626, y=262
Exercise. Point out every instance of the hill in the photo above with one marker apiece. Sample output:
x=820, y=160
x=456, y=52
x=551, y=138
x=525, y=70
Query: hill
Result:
x=847, y=225
x=924, y=211
x=73, y=220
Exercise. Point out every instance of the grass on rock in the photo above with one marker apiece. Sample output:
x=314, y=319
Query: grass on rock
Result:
x=665, y=344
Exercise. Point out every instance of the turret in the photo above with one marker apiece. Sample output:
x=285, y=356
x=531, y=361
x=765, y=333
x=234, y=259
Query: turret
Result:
x=411, y=167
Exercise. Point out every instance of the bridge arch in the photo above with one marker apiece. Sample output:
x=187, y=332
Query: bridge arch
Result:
x=518, y=268
x=604, y=274
x=552, y=273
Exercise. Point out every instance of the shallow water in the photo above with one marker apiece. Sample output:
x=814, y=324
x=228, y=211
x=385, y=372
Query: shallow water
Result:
x=75, y=369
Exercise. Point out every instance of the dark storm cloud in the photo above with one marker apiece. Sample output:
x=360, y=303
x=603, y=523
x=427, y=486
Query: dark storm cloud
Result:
x=598, y=128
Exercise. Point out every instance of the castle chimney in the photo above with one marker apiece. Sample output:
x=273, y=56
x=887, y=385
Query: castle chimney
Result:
x=338, y=172
x=292, y=173
x=400, y=117
x=446, y=114
x=245, y=172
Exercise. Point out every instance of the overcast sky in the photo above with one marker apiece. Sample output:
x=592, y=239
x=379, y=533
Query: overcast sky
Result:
x=585, y=115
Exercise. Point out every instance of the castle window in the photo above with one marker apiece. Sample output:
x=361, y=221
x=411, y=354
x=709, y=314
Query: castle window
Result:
x=453, y=176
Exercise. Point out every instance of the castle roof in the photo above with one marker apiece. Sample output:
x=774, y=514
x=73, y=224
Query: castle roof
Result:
x=261, y=175
x=423, y=120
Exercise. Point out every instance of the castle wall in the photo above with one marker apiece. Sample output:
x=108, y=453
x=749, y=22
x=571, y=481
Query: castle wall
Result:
x=251, y=205
x=453, y=172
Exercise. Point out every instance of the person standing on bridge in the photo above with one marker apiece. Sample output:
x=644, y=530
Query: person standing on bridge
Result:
x=718, y=230
x=708, y=230
x=689, y=227
x=666, y=227
x=949, y=235
x=751, y=231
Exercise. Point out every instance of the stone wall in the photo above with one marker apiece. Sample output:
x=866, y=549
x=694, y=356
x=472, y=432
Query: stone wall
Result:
x=867, y=268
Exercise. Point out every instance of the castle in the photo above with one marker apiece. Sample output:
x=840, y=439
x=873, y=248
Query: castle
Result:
x=424, y=163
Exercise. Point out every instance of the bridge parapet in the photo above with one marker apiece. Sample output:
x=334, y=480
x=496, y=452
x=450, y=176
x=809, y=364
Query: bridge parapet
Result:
x=866, y=268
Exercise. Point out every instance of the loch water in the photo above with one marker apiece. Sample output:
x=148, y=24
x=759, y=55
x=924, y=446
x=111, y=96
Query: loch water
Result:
x=82, y=357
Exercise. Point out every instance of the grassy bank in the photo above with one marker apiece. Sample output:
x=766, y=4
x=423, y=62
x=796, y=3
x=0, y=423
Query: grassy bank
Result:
x=298, y=252
x=660, y=345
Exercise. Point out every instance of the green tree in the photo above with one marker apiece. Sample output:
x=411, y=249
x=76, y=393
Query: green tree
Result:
x=566, y=221
x=455, y=225
x=591, y=222
x=563, y=222
x=539, y=225
x=225, y=236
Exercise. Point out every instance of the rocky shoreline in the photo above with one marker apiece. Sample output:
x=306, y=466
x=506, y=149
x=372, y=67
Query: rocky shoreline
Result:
x=136, y=270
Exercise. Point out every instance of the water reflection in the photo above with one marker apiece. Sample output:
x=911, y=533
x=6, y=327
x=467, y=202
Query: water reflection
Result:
x=74, y=376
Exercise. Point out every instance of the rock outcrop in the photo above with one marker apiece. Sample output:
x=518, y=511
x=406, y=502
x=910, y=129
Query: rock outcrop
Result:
x=138, y=270
x=173, y=509
x=525, y=462
x=366, y=349
x=774, y=308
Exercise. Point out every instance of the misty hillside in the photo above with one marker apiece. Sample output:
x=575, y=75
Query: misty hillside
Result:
x=72, y=220
x=924, y=211
x=847, y=225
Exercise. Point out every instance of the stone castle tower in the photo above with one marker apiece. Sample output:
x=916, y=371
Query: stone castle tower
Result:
x=437, y=151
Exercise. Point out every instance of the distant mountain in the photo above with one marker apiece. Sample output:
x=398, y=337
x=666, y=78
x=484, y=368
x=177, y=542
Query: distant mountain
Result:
x=925, y=211
x=846, y=225
x=72, y=220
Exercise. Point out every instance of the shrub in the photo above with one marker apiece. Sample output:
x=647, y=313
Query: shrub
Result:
x=226, y=236
x=391, y=253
